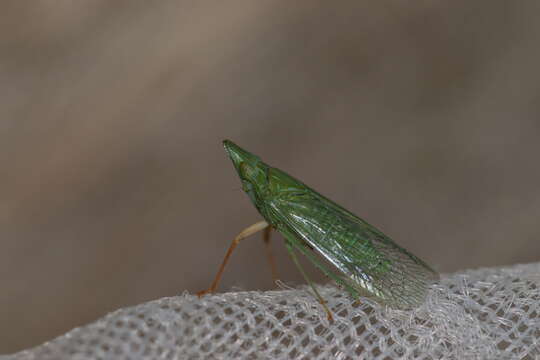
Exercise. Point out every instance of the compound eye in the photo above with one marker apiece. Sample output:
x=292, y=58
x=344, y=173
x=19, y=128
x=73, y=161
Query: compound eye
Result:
x=246, y=171
x=243, y=168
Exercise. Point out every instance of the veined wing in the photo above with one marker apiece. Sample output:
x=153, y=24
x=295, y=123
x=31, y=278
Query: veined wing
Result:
x=369, y=261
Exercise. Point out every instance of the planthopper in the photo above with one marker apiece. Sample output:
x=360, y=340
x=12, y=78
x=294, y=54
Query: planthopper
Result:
x=359, y=257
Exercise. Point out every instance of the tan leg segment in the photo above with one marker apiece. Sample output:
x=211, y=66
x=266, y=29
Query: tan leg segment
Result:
x=271, y=260
x=244, y=234
x=317, y=295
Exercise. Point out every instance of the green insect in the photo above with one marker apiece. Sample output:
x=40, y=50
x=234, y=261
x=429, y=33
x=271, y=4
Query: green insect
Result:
x=367, y=261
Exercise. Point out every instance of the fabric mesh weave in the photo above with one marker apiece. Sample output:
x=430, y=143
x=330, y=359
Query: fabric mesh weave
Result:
x=477, y=314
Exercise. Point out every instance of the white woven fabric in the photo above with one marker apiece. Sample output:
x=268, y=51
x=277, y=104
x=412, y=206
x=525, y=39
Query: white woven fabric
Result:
x=479, y=314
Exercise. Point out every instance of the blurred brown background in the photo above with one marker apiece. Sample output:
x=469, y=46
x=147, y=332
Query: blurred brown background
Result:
x=115, y=189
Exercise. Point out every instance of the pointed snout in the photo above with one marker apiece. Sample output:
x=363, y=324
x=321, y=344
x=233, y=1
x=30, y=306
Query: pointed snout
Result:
x=239, y=155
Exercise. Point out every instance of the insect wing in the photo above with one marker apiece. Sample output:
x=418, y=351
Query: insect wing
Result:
x=369, y=261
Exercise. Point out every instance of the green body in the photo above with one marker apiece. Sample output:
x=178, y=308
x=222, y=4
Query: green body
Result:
x=365, y=261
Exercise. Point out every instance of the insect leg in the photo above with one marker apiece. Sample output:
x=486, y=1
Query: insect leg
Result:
x=244, y=234
x=319, y=297
x=307, y=251
x=311, y=257
x=266, y=238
